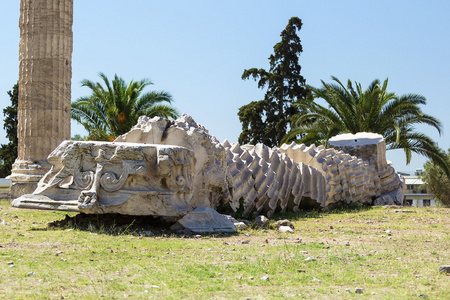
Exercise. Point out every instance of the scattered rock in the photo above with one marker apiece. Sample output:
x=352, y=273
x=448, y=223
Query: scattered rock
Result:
x=206, y=220
x=388, y=232
x=359, y=290
x=240, y=225
x=444, y=269
x=283, y=229
x=284, y=222
x=245, y=242
x=58, y=253
x=146, y=233
x=246, y=222
x=31, y=274
x=310, y=258
x=230, y=218
x=262, y=221
x=265, y=278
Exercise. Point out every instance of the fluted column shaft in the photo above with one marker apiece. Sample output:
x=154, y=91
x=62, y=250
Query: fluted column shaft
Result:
x=45, y=72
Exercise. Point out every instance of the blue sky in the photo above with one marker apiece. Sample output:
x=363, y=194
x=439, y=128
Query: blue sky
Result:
x=198, y=49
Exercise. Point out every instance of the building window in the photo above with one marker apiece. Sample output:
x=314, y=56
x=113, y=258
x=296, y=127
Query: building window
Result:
x=426, y=202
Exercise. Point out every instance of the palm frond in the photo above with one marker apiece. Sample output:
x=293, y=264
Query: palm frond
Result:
x=352, y=109
x=114, y=107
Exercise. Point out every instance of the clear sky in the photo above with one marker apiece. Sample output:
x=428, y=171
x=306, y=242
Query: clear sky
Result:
x=198, y=49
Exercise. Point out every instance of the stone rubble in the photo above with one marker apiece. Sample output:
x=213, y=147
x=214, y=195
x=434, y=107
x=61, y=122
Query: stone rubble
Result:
x=444, y=269
x=262, y=222
x=170, y=168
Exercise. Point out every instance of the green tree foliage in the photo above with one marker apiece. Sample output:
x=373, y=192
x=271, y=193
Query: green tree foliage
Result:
x=78, y=137
x=8, y=152
x=267, y=121
x=352, y=109
x=437, y=181
x=112, y=109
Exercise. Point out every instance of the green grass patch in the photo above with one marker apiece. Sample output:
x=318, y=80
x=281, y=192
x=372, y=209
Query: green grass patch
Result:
x=391, y=252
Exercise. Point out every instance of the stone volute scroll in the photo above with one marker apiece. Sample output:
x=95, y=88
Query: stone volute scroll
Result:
x=126, y=178
x=171, y=167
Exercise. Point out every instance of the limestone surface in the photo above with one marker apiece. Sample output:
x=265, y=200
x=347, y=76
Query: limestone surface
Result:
x=211, y=185
x=265, y=180
x=206, y=220
x=45, y=72
x=351, y=179
x=167, y=168
x=124, y=178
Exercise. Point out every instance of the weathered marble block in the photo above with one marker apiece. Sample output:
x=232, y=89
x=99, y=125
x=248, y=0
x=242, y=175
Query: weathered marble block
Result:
x=171, y=167
x=125, y=178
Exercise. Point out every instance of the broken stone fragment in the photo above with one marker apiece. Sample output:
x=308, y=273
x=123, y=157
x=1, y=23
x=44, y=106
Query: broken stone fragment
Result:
x=284, y=222
x=240, y=225
x=233, y=220
x=126, y=178
x=262, y=221
x=444, y=269
x=206, y=220
x=283, y=229
x=167, y=168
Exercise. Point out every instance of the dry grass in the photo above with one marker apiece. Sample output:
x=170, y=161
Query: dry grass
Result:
x=346, y=249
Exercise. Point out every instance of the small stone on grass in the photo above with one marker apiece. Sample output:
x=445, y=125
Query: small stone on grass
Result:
x=286, y=229
x=444, y=269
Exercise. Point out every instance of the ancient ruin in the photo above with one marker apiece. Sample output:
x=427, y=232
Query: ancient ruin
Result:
x=168, y=168
x=45, y=55
x=125, y=178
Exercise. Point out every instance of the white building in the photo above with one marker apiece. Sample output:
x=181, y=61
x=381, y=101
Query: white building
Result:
x=415, y=193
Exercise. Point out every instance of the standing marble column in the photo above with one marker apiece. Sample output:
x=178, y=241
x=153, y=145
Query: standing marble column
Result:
x=45, y=55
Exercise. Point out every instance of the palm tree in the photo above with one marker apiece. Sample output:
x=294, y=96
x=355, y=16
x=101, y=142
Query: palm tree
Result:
x=112, y=109
x=352, y=109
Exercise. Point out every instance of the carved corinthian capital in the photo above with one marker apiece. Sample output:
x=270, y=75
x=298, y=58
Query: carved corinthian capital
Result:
x=125, y=178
